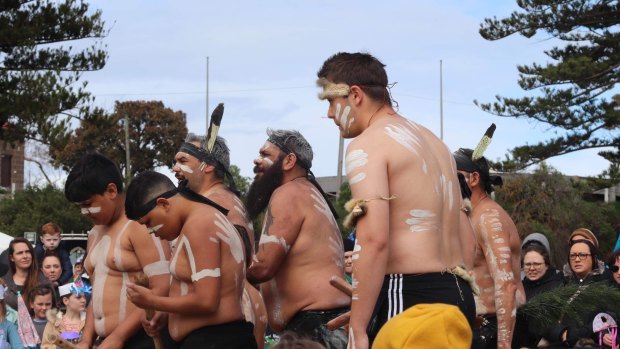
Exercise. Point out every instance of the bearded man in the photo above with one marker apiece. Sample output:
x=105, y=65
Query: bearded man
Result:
x=300, y=248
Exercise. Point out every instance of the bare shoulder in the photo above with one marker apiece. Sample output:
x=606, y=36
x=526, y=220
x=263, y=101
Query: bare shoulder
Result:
x=202, y=221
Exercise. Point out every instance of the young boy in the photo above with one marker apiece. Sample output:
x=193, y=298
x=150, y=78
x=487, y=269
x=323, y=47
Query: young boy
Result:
x=117, y=251
x=50, y=241
x=41, y=300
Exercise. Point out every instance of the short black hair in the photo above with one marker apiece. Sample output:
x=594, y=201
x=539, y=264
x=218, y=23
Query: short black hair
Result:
x=145, y=187
x=91, y=176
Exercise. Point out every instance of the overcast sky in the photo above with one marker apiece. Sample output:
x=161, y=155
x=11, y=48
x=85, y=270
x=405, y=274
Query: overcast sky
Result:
x=264, y=56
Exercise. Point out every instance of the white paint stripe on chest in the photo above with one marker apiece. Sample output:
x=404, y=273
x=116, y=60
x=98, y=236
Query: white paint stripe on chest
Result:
x=157, y=268
x=98, y=260
x=214, y=273
x=118, y=251
x=159, y=247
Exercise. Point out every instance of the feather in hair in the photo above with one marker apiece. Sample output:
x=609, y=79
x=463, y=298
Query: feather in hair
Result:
x=484, y=143
x=214, y=126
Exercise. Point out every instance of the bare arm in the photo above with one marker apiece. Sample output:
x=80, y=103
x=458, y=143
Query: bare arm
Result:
x=281, y=228
x=496, y=247
x=371, y=251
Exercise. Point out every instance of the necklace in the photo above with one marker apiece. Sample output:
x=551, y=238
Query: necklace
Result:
x=479, y=201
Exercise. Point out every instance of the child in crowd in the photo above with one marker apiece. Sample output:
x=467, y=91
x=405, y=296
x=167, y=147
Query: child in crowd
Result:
x=68, y=326
x=50, y=241
x=8, y=330
x=41, y=300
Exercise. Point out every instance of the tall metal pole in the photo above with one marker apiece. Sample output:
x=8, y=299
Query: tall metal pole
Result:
x=441, y=99
x=207, y=111
x=127, y=155
x=339, y=172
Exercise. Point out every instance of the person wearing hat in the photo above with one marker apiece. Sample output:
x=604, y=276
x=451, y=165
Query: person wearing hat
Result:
x=497, y=262
x=583, y=234
x=70, y=324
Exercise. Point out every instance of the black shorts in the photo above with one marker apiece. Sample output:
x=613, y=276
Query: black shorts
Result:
x=400, y=292
x=312, y=324
x=141, y=340
x=233, y=335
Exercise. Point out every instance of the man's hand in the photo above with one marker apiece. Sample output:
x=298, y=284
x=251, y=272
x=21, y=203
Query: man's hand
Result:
x=138, y=295
x=156, y=324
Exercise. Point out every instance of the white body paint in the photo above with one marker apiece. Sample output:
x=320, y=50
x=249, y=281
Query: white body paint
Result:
x=321, y=205
x=422, y=221
x=404, y=137
x=271, y=239
x=153, y=230
x=229, y=235
x=214, y=273
x=185, y=168
x=97, y=257
x=156, y=268
x=90, y=210
x=277, y=303
x=246, y=307
x=356, y=159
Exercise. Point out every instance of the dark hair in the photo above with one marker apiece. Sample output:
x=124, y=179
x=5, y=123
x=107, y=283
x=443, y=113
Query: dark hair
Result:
x=40, y=290
x=53, y=254
x=533, y=246
x=291, y=141
x=360, y=69
x=464, y=162
x=593, y=251
x=614, y=256
x=91, y=176
x=33, y=272
x=145, y=187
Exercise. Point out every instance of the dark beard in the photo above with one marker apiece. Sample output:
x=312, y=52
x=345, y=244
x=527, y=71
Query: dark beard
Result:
x=261, y=189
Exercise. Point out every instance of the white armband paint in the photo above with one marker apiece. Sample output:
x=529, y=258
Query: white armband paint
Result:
x=214, y=273
x=157, y=268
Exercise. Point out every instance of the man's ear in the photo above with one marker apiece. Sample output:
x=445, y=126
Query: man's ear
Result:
x=208, y=168
x=474, y=180
x=111, y=191
x=290, y=160
x=356, y=95
x=164, y=203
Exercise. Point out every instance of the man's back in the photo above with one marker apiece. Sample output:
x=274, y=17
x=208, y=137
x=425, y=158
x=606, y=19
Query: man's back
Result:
x=405, y=163
x=314, y=253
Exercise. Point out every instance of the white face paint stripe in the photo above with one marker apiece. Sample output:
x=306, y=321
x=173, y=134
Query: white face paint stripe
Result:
x=157, y=268
x=268, y=162
x=230, y=236
x=214, y=273
x=185, y=168
x=90, y=210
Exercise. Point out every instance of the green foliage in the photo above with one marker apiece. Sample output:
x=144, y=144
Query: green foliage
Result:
x=242, y=183
x=343, y=197
x=29, y=209
x=39, y=90
x=569, y=304
x=550, y=203
x=572, y=86
x=155, y=135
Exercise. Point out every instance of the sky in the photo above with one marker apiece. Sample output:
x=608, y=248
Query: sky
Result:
x=264, y=55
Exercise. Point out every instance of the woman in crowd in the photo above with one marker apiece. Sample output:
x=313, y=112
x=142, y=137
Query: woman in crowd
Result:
x=540, y=275
x=614, y=268
x=23, y=274
x=52, y=270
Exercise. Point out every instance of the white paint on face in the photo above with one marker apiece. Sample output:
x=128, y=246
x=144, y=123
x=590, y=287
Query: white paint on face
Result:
x=97, y=257
x=185, y=168
x=272, y=239
x=343, y=118
x=404, y=137
x=229, y=235
x=153, y=230
x=422, y=221
x=213, y=273
x=90, y=210
x=321, y=205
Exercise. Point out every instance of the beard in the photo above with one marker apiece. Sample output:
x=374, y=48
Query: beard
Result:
x=261, y=189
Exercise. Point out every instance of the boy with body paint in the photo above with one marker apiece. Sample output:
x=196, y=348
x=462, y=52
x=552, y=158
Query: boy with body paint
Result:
x=207, y=266
x=118, y=249
x=205, y=172
x=408, y=248
x=50, y=241
x=497, y=263
x=300, y=248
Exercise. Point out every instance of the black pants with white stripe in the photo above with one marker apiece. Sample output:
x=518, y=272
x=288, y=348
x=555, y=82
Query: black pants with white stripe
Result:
x=400, y=291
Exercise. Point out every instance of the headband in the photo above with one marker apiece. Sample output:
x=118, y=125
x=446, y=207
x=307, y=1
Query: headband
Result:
x=203, y=156
x=331, y=89
x=287, y=150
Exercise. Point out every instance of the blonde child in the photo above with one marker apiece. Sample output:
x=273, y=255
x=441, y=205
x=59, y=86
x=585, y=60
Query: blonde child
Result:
x=68, y=326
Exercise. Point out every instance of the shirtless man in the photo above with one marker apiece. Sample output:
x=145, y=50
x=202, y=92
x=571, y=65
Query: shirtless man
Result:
x=497, y=262
x=207, y=265
x=117, y=250
x=205, y=173
x=300, y=248
x=407, y=243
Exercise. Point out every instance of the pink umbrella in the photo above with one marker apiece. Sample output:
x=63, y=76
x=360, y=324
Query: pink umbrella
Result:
x=25, y=328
